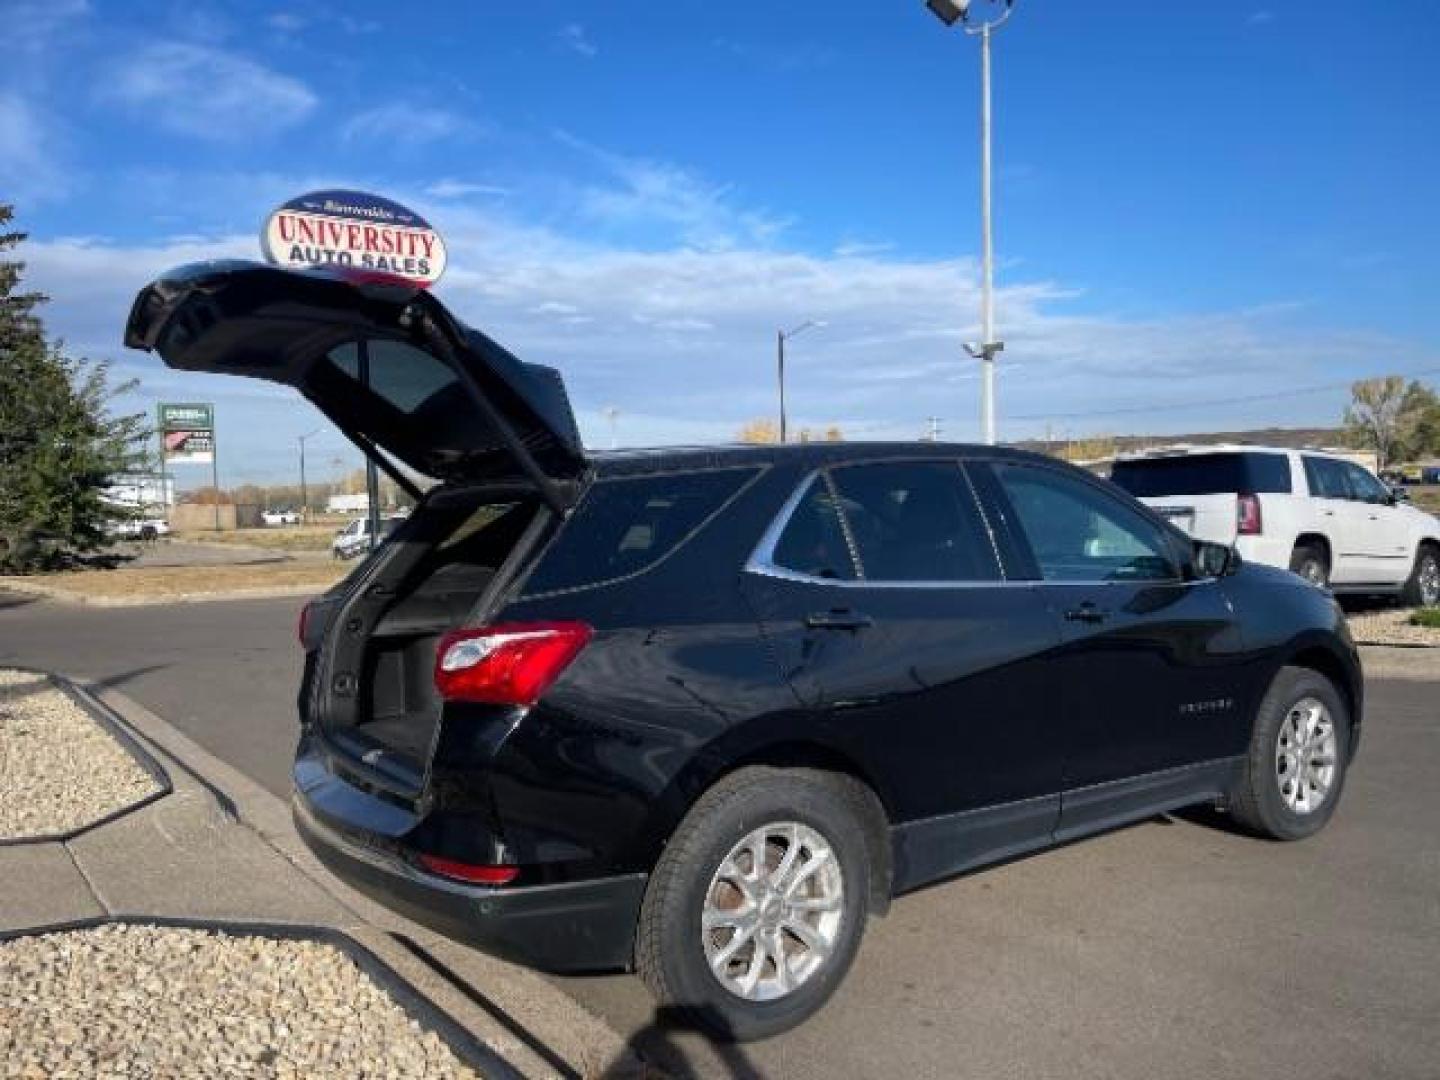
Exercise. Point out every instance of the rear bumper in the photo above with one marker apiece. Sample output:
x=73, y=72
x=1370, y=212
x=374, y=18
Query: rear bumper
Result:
x=577, y=926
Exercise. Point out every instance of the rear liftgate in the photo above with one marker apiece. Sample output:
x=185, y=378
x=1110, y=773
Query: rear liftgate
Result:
x=408, y=384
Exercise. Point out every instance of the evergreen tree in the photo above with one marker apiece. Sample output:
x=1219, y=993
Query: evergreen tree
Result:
x=59, y=444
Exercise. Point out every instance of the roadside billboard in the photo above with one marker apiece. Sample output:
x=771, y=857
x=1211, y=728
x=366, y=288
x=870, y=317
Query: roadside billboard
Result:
x=187, y=433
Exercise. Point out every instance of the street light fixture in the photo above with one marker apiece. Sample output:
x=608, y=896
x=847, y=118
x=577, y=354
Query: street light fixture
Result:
x=782, y=336
x=949, y=12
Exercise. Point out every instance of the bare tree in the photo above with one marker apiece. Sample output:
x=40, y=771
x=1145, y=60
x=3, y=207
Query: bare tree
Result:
x=1375, y=418
x=760, y=431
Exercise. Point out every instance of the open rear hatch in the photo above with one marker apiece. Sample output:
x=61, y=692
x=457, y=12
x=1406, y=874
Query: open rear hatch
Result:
x=400, y=376
x=386, y=362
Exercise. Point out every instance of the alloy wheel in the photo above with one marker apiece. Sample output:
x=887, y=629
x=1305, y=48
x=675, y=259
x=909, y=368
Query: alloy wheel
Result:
x=773, y=911
x=1429, y=581
x=1313, y=571
x=1305, y=756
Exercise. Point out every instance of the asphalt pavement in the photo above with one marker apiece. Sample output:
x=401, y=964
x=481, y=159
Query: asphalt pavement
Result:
x=1175, y=948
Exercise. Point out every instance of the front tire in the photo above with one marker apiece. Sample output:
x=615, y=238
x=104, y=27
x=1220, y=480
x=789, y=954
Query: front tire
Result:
x=756, y=908
x=1294, y=771
x=1423, y=587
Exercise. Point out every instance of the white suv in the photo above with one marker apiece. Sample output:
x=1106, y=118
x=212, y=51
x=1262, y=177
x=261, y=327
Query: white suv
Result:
x=1324, y=517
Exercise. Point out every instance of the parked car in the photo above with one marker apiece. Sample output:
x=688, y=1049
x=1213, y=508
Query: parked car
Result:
x=1331, y=521
x=700, y=713
x=280, y=517
x=355, y=538
x=145, y=529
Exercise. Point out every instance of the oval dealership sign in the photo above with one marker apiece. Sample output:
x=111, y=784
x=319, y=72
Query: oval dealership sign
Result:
x=350, y=230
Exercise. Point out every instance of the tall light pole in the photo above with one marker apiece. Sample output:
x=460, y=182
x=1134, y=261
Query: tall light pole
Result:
x=304, y=497
x=782, y=336
x=611, y=414
x=949, y=12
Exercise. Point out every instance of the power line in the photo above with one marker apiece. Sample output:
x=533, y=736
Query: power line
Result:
x=1179, y=406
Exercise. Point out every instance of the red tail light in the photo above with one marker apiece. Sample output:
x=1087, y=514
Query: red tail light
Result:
x=474, y=873
x=1247, y=515
x=509, y=664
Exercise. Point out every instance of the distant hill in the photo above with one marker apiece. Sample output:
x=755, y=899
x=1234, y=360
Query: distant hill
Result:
x=1288, y=437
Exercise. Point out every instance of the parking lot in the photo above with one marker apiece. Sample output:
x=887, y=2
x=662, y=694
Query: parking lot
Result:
x=1175, y=948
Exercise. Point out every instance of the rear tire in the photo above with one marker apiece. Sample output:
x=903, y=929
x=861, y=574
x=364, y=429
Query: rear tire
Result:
x=1308, y=560
x=1294, y=770
x=1423, y=587
x=811, y=830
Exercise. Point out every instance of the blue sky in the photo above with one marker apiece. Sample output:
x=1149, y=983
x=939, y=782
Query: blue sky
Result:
x=1195, y=203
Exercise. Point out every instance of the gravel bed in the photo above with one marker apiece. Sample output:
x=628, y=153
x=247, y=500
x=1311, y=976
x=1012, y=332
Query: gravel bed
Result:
x=59, y=768
x=150, y=1001
x=1391, y=627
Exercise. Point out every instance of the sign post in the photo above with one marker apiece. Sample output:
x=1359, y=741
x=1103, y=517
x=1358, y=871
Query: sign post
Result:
x=187, y=437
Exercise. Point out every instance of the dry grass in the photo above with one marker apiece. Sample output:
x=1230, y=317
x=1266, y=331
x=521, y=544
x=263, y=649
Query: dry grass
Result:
x=280, y=538
x=164, y=583
x=1426, y=497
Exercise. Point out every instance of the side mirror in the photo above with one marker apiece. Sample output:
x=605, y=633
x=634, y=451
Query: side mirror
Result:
x=1215, y=560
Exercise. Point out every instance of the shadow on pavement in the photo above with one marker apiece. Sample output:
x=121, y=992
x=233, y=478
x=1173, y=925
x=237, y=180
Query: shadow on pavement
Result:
x=656, y=1045
x=14, y=599
x=109, y=682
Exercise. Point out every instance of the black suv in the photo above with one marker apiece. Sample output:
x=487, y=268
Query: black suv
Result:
x=702, y=712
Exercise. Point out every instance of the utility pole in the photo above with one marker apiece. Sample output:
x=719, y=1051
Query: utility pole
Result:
x=304, y=491
x=612, y=414
x=949, y=12
x=934, y=422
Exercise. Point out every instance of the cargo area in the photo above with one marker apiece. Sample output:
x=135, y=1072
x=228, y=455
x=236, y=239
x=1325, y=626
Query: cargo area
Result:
x=435, y=575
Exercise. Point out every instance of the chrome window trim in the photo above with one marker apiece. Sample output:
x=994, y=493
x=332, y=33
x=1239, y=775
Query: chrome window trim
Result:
x=762, y=558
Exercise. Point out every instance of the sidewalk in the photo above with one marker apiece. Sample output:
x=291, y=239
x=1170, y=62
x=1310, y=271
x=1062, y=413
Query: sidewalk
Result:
x=218, y=848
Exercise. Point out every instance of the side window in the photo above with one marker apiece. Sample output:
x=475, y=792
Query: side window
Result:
x=1326, y=478
x=915, y=521
x=1080, y=533
x=813, y=541
x=627, y=525
x=1365, y=487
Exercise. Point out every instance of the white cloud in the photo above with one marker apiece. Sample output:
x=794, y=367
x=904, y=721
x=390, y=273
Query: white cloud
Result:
x=572, y=36
x=1260, y=18
x=681, y=339
x=287, y=22
x=448, y=188
x=31, y=166
x=208, y=92
x=408, y=125
x=31, y=25
x=644, y=193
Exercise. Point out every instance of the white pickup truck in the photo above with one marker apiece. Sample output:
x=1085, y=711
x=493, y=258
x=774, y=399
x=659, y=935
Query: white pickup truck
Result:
x=1324, y=517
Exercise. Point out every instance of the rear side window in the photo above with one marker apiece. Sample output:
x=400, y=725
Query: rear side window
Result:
x=1326, y=478
x=625, y=526
x=813, y=541
x=1204, y=474
x=915, y=521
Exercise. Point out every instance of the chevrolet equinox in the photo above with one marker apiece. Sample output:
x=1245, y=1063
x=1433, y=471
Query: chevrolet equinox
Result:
x=701, y=712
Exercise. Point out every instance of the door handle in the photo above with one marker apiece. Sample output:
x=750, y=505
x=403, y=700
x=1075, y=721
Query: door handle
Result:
x=1087, y=613
x=838, y=619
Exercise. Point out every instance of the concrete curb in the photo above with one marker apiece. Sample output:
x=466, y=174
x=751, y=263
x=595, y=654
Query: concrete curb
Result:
x=539, y=1030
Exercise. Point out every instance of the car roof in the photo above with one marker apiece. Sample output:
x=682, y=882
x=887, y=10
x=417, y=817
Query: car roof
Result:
x=1188, y=449
x=814, y=455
